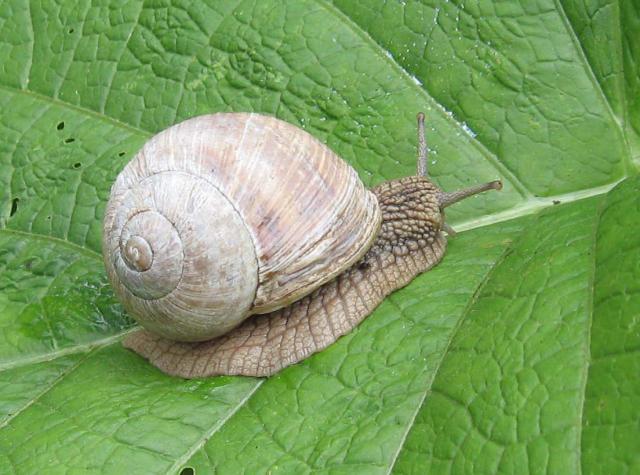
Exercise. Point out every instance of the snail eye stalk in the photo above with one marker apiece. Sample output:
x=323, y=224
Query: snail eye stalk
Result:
x=447, y=199
x=423, y=151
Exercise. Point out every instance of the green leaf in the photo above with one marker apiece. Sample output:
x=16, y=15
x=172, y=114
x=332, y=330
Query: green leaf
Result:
x=516, y=354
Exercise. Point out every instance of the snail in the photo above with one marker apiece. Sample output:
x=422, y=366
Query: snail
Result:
x=242, y=244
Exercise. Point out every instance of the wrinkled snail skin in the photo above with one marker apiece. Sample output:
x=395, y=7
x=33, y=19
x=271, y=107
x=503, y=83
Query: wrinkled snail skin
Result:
x=244, y=245
x=410, y=242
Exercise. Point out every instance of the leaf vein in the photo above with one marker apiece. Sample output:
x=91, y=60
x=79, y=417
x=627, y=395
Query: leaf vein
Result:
x=212, y=430
x=83, y=110
x=587, y=358
x=55, y=240
x=70, y=350
x=593, y=78
x=46, y=389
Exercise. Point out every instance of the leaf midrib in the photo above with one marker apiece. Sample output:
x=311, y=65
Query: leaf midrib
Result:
x=533, y=206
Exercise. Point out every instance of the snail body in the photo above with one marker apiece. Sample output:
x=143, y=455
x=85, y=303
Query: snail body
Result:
x=243, y=245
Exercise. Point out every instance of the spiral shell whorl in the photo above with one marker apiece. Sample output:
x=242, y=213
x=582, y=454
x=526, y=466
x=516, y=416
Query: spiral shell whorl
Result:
x=173, y=255
x=151, y=255
x=137, y=253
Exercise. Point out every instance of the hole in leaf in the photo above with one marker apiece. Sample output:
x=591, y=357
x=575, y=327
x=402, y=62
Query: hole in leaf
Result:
x=14, y=206
x=187, y=471
x=77, y=165
x=69, y=140
x=121, y=154
x=48, y=217
x=60, y=126
x=71, y=30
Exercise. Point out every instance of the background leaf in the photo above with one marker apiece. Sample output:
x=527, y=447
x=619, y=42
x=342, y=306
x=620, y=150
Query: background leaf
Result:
x=517, y=353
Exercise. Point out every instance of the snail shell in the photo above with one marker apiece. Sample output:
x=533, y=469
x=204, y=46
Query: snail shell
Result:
x=228, y=215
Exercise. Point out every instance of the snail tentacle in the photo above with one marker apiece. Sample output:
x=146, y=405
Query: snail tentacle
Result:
x=423, y=150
